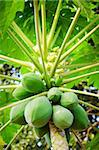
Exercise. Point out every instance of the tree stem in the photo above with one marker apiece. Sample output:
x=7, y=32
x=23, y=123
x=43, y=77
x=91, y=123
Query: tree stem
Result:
x=39, y=44
x=58, y=138
x=14, y=138
x=45, y=52
x=8, y=77
x=52, y=31
x=5, y=125
x=68, y=34
x=35, y=62
x=80, y=69
x=79, y=77
x=22, y=101
x=20, y=62
x=78, y=92
x=77, y=44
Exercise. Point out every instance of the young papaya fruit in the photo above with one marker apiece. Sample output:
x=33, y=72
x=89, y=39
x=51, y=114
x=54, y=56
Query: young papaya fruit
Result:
x=81, y=120
x=69, y=99
x=20, y=93
x=17, y=114
x=40, y=132
x=38, y=111
x=33, y=83
x=54, y=95
x=62, y=117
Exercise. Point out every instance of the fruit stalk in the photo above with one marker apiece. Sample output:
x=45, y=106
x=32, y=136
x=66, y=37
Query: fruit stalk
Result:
x=80, y=33
x=67, y=36
x=22, y=101
x=5, y=125
x=8, y=86
x=78, y=92
x=53, y=27
x=39, y=44
x=43, y=10
x=9, y=77
x=80, y=69
x=35, y=62
x=77, y=44
x=25, y=39
x=58, y=138
x=14, y=138
x=79, y=77
x=20, y=62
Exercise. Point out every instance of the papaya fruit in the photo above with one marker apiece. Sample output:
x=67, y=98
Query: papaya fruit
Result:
x=33, y=83
x=20, y=93
x=38, y=111
x=62, y=117
x=17, y=114
x=69, y=100
x=81, y=120
x=54, y=95
x=40, y=132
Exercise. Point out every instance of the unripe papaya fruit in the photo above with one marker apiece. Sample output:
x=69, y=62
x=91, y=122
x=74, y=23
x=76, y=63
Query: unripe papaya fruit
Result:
x=38, y=111
x=33, y=83
x=40, y=132
x=20, y=93
x=81, y=120
x=17, y=114
x=62, y=117
x=69, y=99
x=54, y=94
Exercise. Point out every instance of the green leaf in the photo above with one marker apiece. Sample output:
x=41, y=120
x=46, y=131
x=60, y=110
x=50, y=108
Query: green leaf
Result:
x=8, y=11
x=86, y=7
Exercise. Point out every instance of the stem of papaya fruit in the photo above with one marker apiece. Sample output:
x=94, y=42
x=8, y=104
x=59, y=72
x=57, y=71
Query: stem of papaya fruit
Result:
x=68, y=34
x=9, y=77
x=80, y=69
x=20, y=62
x=47, y=138
x=35, y=62
x=39, y=44
x=58, y=138
x=15, y=136
x=78, y=92
x=54, y=24
x=45, y=52
x=22, y=101
x=78, y=43
x=88, y=104
x=5, y=125
x=8, y=86
x=79, y=77
x=24, y=38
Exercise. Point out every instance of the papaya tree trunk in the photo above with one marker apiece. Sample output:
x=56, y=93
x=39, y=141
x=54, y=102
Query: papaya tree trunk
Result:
x=58, y=138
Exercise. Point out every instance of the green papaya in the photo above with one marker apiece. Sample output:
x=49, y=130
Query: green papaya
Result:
x=54, y=95
x=17, y=114
x=33, y=83
x=38, y=111
x=62, y=117
x=81, y=120
x=40, y=132
x=20, y=93
x=69, y=100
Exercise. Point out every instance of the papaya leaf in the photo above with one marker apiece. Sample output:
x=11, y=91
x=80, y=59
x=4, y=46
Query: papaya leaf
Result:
x=8, y=11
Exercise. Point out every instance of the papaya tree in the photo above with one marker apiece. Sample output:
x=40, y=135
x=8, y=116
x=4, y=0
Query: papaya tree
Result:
x=56, y=45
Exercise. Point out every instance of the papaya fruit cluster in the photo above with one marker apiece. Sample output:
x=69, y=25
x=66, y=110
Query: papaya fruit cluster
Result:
x=61, y=108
